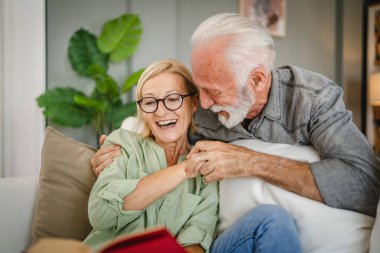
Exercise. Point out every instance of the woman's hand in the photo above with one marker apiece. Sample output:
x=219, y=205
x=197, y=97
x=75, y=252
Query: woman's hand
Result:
x=104, y=156
x=196, y=248
x=192, y=167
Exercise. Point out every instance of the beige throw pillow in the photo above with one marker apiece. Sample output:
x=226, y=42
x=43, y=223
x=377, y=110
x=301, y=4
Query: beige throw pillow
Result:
x=65, y=183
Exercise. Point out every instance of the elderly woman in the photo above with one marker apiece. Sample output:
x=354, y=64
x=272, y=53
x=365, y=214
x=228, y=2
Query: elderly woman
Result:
x=148, y=184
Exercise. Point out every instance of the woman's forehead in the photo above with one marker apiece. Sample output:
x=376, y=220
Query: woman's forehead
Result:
x=163, y=83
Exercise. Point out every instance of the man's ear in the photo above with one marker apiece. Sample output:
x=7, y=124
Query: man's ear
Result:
x=258, y=79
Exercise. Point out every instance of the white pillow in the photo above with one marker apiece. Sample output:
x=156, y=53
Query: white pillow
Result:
x=375, y=236
x=131, y=124
x=322, y=228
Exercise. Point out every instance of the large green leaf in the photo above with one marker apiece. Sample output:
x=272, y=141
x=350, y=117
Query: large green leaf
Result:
x=105, y=84
x=132, y=80
x=60, y=107
x=68, y=115
x=91, y=103
x=57, y=96
x=84, y=52
x=119, y=112
x=120, y=37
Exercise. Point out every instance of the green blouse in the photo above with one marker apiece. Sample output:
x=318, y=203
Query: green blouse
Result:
x=189, y=212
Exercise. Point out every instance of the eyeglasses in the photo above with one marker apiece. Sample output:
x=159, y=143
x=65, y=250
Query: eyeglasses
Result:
x=172, y=102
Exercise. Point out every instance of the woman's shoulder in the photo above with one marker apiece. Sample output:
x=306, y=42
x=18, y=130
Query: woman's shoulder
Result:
x=124, y=138
x=134, y=144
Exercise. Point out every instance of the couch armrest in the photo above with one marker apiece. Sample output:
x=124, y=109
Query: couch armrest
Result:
x=17, y=198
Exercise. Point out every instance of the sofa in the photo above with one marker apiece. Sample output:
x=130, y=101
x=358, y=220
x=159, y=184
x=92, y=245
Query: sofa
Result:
x=54, y=204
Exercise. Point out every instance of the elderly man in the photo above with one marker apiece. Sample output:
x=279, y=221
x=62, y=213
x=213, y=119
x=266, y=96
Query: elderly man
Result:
x=242, y=96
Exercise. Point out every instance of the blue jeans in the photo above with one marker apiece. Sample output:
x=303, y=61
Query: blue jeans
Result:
x=266, y=228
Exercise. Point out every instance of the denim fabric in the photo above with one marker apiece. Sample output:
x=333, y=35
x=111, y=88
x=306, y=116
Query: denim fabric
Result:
x=266, y=228
x=307, y=108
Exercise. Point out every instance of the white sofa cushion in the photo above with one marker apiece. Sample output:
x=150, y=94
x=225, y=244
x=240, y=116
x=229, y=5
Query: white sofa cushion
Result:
x=321, y=228
x=375, y=235
x=17, y=198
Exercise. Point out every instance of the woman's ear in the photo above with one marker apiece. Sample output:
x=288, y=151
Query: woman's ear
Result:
x=195, y=104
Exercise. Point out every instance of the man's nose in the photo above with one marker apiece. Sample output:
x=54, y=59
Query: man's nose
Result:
x=205, y=99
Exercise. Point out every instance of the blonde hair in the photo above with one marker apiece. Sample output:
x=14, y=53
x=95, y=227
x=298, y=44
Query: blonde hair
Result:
x=157, y=68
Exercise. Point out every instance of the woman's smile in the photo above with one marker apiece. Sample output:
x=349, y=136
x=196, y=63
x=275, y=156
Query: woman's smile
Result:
x=167, y=123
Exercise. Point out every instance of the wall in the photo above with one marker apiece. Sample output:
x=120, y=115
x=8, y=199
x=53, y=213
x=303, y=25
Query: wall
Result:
x=168, y=24
x=2, y=70
x=352, y=57
x=22, y=78
x=310, y=38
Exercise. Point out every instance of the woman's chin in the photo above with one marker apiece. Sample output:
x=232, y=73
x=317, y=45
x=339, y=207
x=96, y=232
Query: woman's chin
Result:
x=168, y=135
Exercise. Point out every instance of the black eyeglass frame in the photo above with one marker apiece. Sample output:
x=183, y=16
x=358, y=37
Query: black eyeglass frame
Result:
x=163, y=101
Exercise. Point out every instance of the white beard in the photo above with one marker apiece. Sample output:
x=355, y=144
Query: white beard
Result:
x=238, y=111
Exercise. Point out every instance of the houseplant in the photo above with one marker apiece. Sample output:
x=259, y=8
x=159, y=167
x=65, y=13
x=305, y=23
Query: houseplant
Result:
x=90, y=56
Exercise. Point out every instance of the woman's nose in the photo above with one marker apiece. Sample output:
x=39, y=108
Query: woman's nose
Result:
x=161, y=109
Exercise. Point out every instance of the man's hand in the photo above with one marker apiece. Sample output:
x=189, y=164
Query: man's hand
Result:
x=221, y=160
x=217, y=160
x=104, y=156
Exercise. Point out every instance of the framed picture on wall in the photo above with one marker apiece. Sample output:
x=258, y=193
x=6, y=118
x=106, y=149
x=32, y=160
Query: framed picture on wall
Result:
x=269, y=13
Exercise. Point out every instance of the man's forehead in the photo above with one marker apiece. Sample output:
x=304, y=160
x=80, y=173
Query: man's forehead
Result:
x=200, y=57
x=206, y=60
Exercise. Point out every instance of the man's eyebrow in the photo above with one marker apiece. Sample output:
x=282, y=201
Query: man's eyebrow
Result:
x=212, y=89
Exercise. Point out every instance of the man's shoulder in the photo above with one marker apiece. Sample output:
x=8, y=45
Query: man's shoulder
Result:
x=296, y=94
x=293, y=77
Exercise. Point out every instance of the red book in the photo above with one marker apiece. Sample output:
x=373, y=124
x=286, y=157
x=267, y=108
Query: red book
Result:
x=157, y=240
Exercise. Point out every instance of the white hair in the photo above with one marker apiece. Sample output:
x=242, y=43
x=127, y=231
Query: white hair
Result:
x=238, y=111
x=252, y=46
